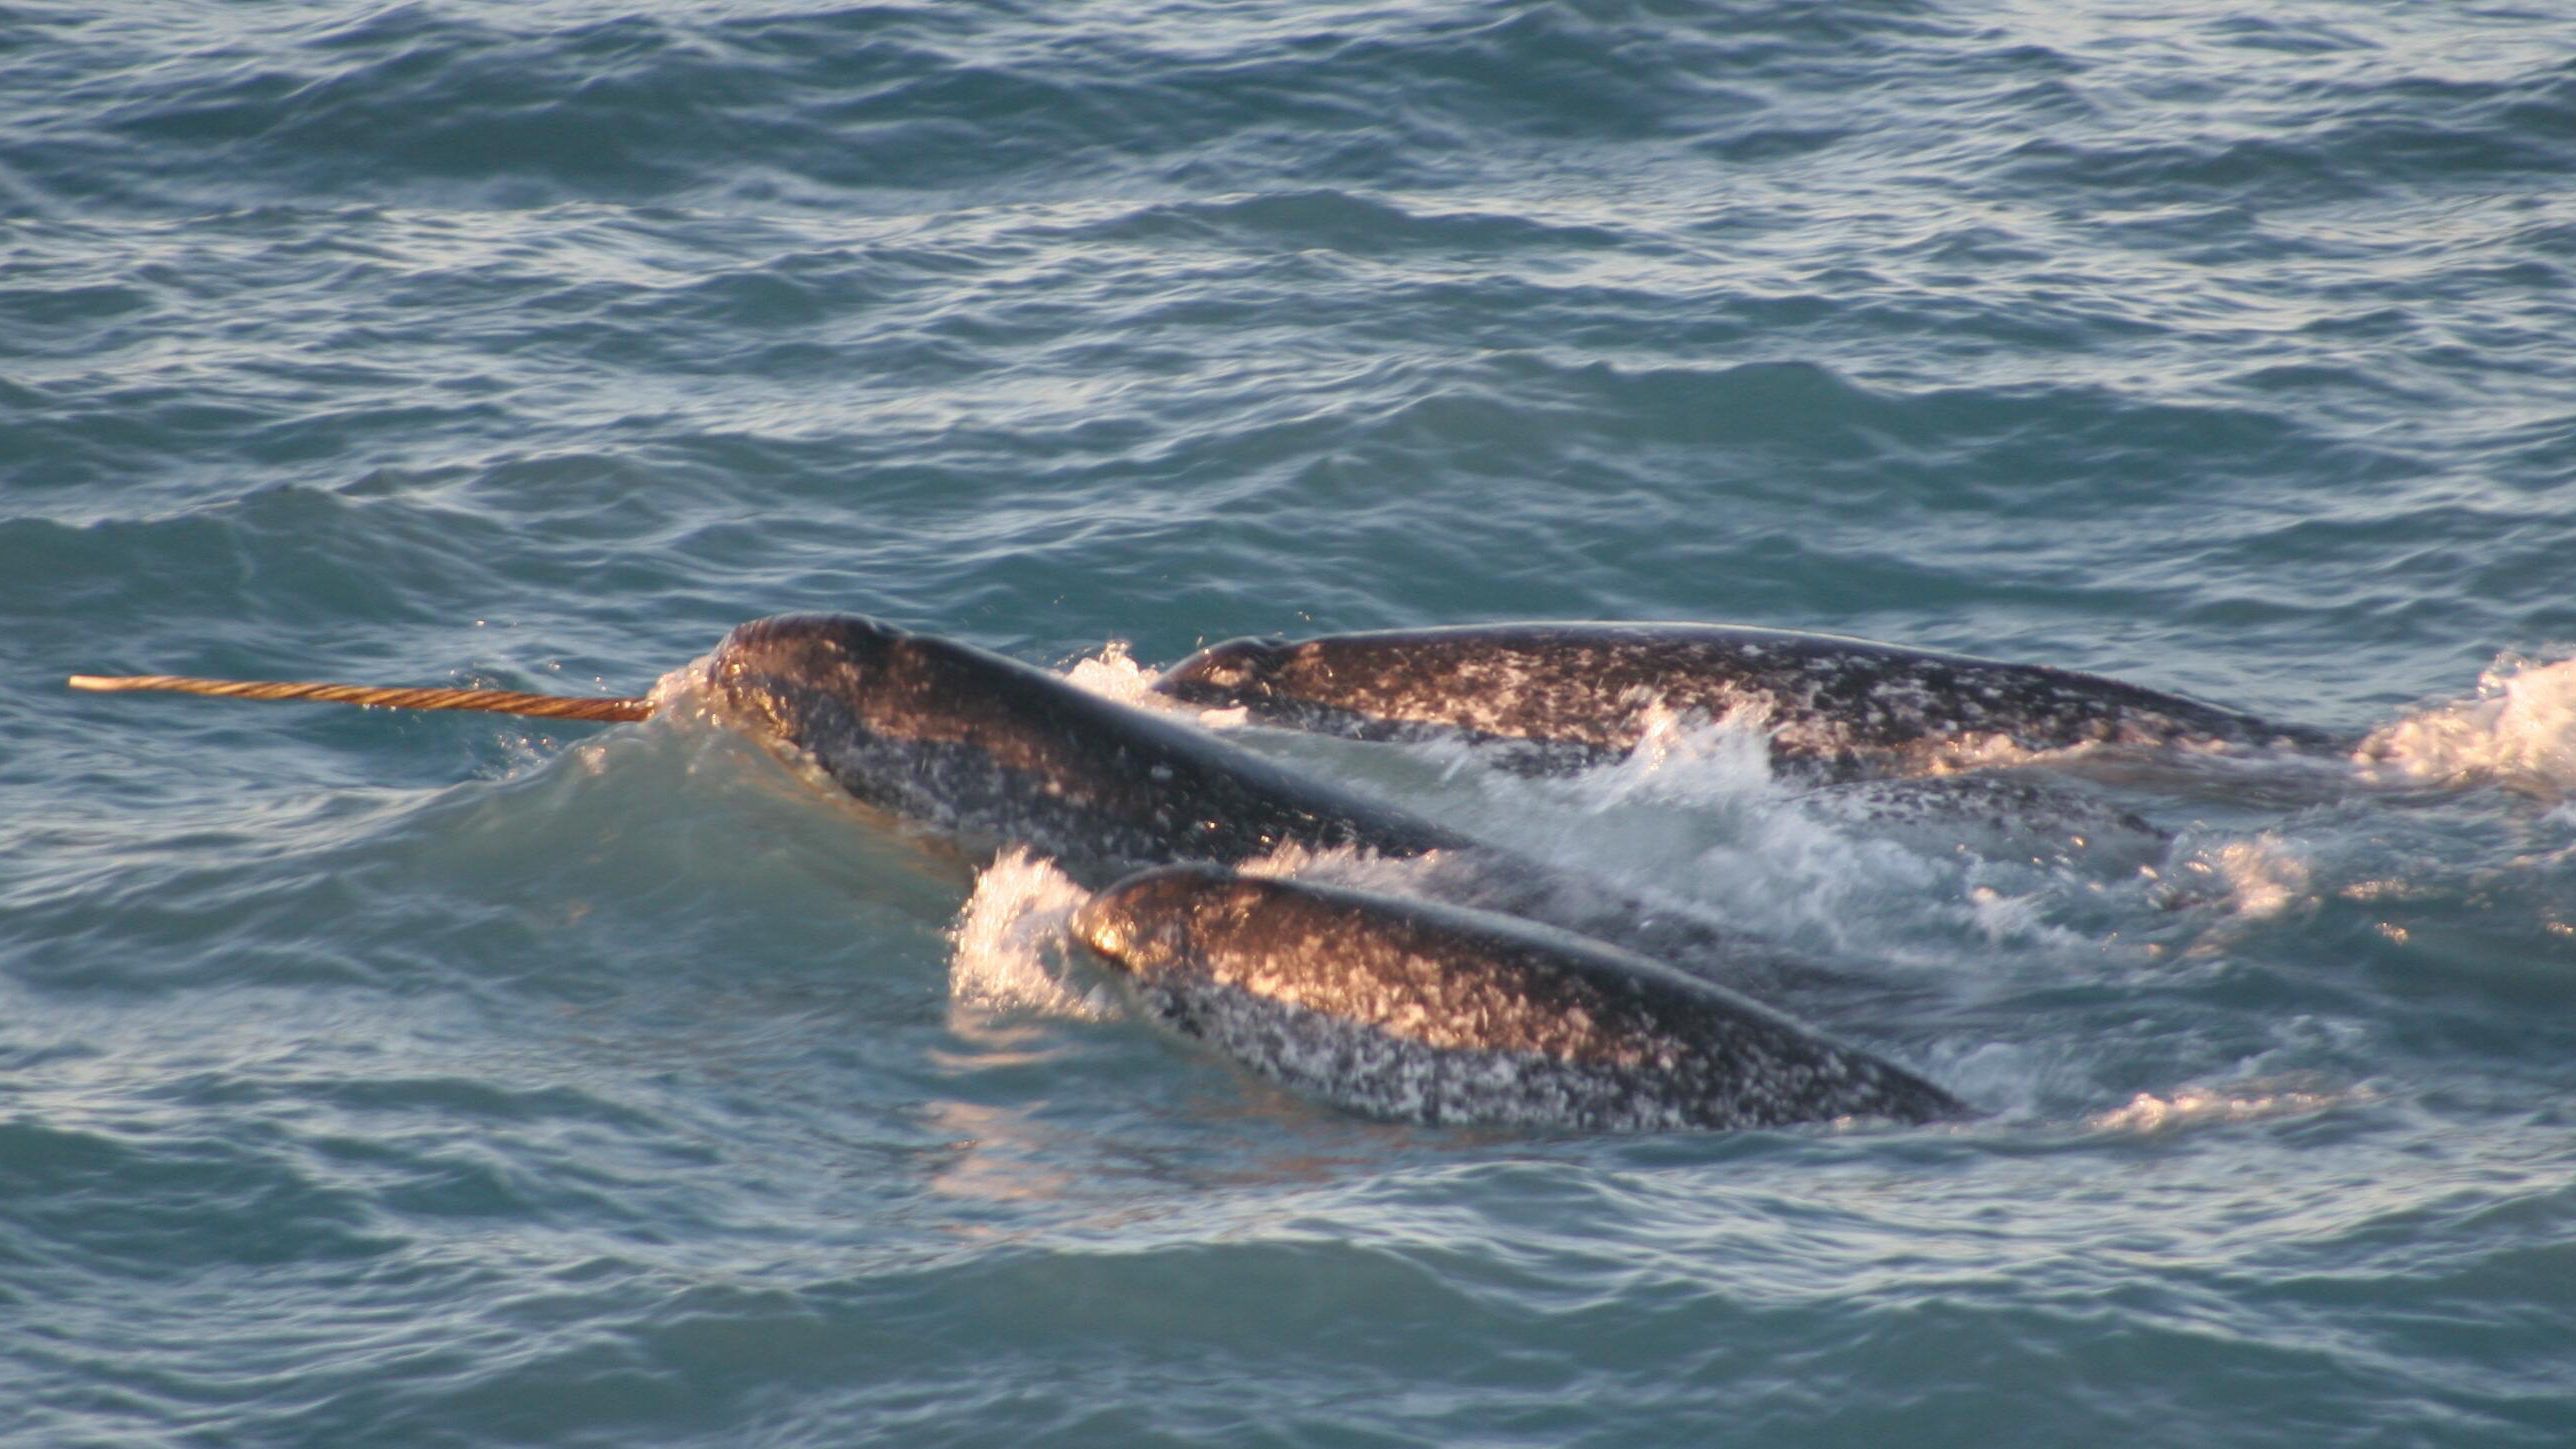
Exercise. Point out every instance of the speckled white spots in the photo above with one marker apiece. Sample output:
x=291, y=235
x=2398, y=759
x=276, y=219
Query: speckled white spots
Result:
x=1836, y=706
x=1396, y=1008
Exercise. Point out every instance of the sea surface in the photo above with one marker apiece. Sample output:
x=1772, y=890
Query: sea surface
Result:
x=395, y=1079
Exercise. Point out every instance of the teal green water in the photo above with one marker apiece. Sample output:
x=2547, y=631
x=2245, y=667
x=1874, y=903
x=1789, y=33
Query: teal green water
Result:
x=448, y=1080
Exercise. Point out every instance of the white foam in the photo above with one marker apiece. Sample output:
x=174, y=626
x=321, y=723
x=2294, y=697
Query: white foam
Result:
x=1688, y=758
x=1695, y=816
x=2519, y=729
x=1343, y=866
x=1804, y=877
x=1969, y=753
x=1113, y=673
x=1012, y=952
x=2194, y=1106
x=683, y=690
x=2260, y=877
x=2002, y=917
x=1779, y=860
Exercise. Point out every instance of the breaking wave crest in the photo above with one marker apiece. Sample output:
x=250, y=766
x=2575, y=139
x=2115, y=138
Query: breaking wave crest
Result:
x=1012, y=951
x=2519, y=729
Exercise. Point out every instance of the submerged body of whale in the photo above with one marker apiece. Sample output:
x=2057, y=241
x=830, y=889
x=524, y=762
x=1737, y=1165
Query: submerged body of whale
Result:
x=986, y=751
x=1573, y=693
x=1422, y=1013
x=1997, y=815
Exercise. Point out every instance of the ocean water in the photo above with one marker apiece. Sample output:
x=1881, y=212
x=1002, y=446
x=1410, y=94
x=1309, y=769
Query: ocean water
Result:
x=387, y=1079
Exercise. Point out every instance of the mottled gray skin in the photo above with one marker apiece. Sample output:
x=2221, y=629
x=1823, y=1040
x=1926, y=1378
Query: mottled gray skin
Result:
x=1574, y=693
x=988, y=751
x=1422, y=1013
x=983, y=751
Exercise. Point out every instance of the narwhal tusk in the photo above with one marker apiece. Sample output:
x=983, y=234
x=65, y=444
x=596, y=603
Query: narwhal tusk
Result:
x=490, y=701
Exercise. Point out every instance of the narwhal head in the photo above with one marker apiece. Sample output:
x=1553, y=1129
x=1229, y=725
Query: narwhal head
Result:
x=1145, y=924
x=811, y=680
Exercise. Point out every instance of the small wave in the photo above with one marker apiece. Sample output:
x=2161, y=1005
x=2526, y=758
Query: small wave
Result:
x=1011, y=949
x=2519, y=729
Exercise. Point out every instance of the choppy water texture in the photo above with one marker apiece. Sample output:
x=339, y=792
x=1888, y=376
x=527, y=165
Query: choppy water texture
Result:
x=382, y=1079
